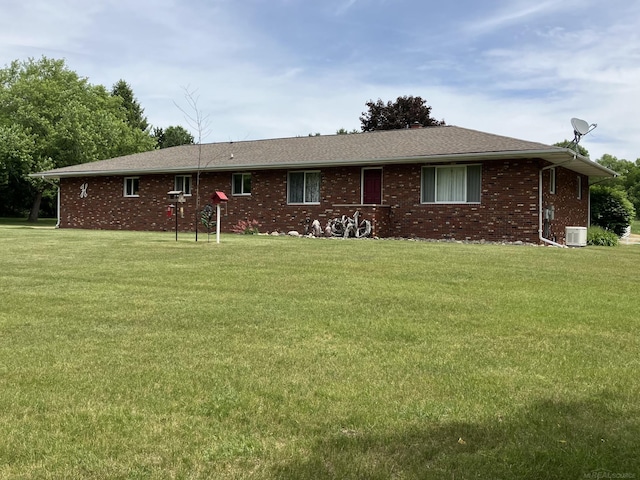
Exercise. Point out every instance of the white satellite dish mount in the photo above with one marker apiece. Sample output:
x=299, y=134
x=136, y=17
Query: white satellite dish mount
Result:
x=580, y=129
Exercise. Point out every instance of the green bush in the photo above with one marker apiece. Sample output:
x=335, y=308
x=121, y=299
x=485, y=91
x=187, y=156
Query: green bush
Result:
x=611, y=209
x=600, y=237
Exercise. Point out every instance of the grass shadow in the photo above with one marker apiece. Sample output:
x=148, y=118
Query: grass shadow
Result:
x=24, y=223
x=548, y=439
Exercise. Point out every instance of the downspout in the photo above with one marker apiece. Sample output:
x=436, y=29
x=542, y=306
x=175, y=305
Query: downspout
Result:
x=540, y=193
x=588, y=206
x=58, y=206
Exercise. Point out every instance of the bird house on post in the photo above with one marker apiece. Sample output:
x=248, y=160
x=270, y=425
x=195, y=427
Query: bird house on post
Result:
x=178, y=197
x=218, y=198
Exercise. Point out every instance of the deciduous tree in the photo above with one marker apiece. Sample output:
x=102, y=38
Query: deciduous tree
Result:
x=172, y=136
x=402, y=113
x=52, y=118
x=198, y=121
x=628, y=179
x=576, y=148
x=344, y=131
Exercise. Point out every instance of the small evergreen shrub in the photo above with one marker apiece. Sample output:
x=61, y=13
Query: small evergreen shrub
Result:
x=246, y=227
x=598, y=236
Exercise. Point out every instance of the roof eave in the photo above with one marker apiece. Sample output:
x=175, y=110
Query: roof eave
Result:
x=555, y=156
x=52, y=174
x=585, y=165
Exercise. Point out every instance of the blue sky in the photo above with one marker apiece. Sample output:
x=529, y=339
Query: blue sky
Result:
x=282, y=68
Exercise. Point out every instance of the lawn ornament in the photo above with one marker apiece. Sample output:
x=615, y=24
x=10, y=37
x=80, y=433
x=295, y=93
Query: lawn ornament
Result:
x=346, y=227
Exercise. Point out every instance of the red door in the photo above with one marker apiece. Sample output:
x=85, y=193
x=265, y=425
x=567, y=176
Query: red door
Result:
x=372, y=185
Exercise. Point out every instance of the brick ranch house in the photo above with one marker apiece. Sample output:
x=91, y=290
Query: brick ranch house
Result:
x=442, y=182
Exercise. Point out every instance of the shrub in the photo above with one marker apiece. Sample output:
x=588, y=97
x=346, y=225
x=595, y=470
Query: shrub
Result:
x=611, y=209
x=246, y=227
x=600, y=237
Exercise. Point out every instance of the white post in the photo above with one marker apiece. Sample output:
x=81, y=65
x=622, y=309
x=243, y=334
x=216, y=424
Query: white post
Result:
x=218, y=223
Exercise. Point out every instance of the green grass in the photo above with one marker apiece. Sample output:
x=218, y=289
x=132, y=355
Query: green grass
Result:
x=130, y=355
x=42, y=222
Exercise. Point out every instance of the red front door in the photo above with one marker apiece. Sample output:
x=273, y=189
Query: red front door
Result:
x=372, y=185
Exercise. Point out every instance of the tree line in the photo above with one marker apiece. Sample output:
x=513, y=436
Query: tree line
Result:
x=50, y=117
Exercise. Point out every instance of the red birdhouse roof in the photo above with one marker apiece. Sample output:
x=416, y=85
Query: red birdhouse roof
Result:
x=219, y=197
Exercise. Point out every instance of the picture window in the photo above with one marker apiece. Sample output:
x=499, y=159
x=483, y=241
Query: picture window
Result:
x=451, y=184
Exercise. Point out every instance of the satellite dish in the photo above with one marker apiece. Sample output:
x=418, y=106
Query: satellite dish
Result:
x=580, y=127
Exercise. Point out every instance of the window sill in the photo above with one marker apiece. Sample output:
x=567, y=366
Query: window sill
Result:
x=356, y=205
x=450, y=203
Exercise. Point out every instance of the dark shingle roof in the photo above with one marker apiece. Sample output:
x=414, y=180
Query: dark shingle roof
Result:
x=431, y=144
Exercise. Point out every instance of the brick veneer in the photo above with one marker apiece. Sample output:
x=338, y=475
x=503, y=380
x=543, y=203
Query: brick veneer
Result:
x=569, y=209
x=508, y=209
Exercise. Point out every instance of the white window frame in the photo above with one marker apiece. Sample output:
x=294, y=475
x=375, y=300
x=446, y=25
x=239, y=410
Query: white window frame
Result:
x=552, y=180
x=243, y=175
x=179, y=182
x=579, y=192
x=435, y=186
x=128, y=181
x=304, y=191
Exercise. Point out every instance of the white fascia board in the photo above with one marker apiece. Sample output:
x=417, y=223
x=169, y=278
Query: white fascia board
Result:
x=109, y=173
x=581, y=164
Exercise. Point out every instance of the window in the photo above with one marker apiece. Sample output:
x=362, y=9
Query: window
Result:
x=579, y=192
x=241, y=184
x=552, y=180
x=304, y=187
x=131, y=186
x=451, y=184
x=183, y=183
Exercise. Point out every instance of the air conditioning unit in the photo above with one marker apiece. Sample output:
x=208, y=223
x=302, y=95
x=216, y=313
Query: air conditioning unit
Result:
x=576, y=236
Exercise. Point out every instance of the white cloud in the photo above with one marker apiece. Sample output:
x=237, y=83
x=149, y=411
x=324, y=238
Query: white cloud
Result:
x=260, y=79
x=344, y=6
x=517, y=13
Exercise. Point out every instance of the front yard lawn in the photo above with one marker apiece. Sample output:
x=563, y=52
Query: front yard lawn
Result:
x=130, y=355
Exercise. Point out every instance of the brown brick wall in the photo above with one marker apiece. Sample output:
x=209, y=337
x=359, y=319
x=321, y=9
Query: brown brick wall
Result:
x=569, y=210
x=508, y=209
